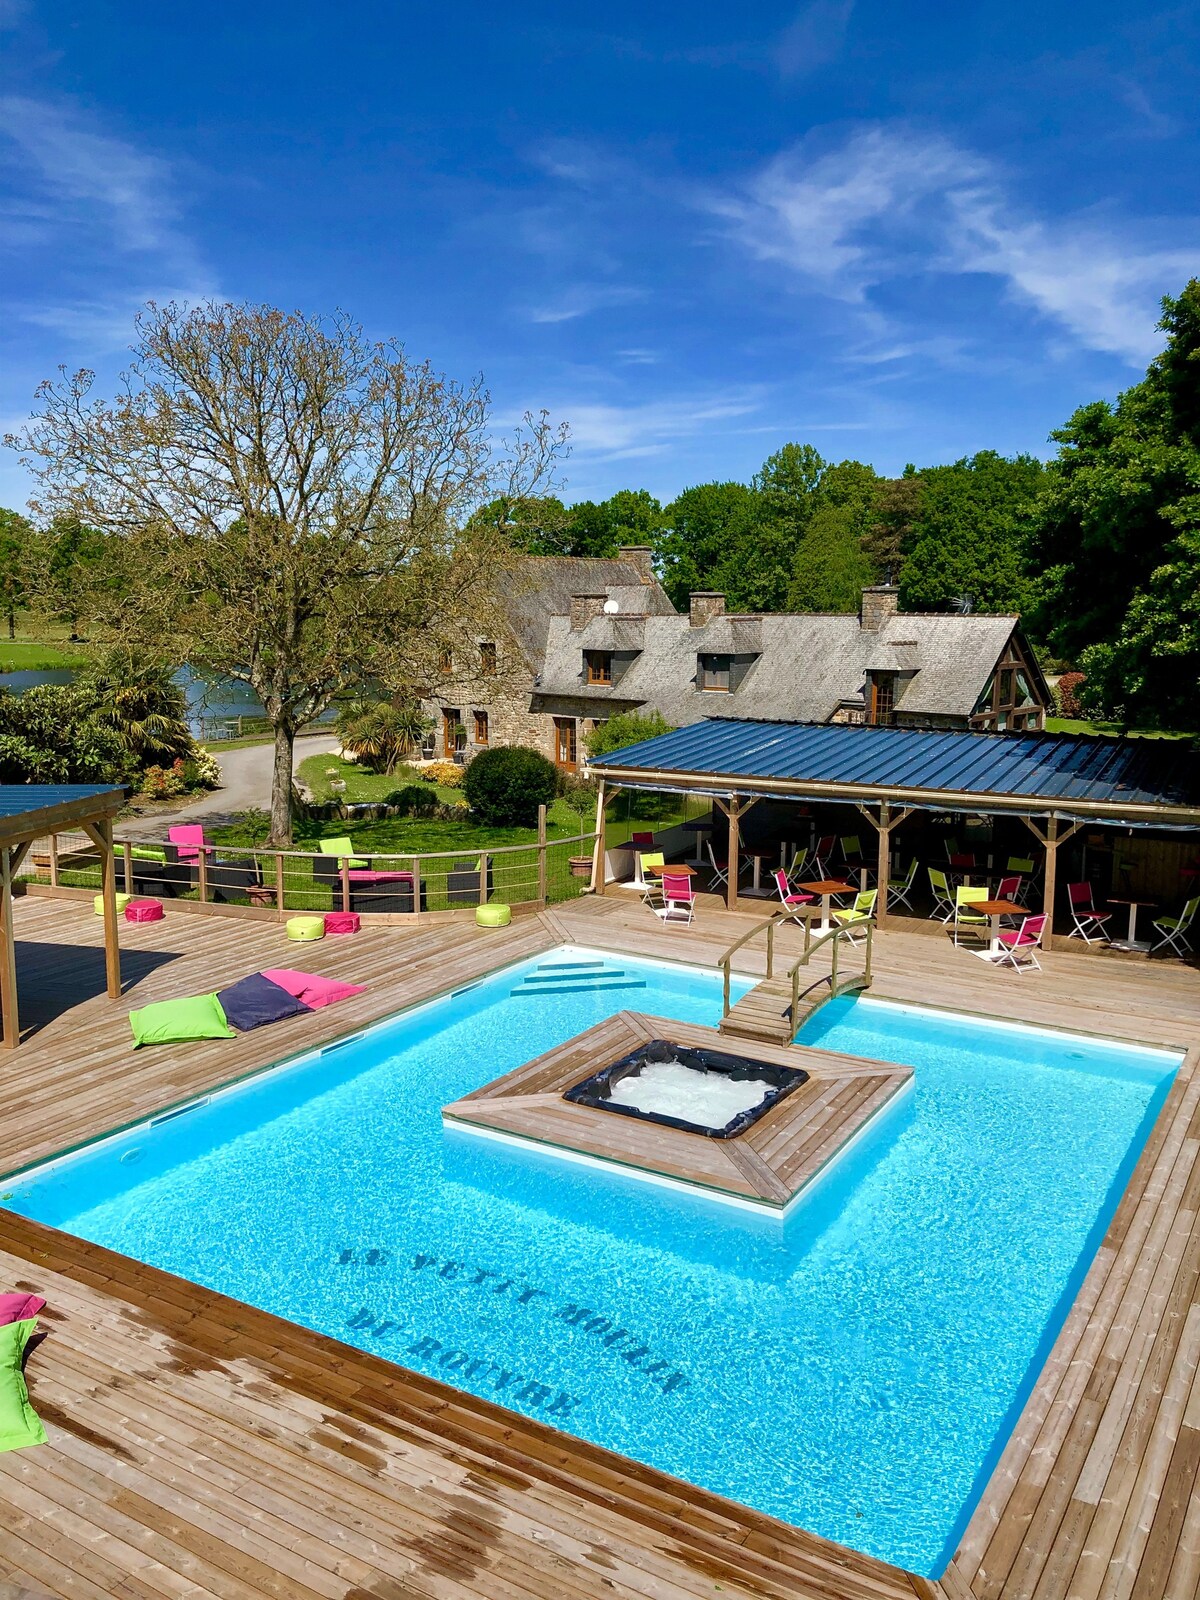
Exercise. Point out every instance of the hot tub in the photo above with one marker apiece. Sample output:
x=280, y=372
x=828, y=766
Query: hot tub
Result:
x=698, y=1091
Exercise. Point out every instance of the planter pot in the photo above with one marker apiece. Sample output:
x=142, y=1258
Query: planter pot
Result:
x=581, y=866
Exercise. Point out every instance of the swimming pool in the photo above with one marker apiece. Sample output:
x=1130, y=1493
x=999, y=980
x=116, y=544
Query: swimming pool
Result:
x=853, y=1369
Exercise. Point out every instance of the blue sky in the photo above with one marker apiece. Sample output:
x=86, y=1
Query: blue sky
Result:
x=694, y=231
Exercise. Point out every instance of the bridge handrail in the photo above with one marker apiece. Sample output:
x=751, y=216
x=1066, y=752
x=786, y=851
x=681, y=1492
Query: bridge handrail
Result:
x=769, y=926
x=833, y=936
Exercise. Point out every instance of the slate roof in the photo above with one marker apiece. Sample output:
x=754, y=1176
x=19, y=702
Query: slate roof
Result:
x=808, y=664
x=1058, y=770
x=536, y=588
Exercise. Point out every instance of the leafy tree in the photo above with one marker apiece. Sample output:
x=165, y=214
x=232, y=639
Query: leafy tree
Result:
x=619, y=732
x=291, y=501
x=136, y=698
x=830, y=569
x=1117, y=551
x=721, y=537
x=535, y=524
x=51, y=734
x=970, y=532
x=506, y=784
x=788, y=479
x=77, y=569
x=16, y=547
x=891, y=529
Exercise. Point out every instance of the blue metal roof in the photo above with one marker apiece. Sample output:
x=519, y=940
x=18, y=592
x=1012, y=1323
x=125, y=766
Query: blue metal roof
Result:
x=18, y=798
x=1056, y=769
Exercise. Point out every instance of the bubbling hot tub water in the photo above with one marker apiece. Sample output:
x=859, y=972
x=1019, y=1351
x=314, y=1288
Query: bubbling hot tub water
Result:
x=706, y=1099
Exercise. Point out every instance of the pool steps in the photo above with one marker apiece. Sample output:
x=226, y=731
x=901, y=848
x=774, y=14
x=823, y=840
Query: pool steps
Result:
x=575, y=977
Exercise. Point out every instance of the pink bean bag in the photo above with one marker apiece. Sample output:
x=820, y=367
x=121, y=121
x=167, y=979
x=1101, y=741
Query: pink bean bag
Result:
x=19, y=1307
x=342, y=922
x=314, y=991
x=144, y=911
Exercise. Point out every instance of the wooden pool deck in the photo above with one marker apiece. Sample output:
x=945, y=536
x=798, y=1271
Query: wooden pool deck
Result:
x=200, y=1447
x=767, y=1165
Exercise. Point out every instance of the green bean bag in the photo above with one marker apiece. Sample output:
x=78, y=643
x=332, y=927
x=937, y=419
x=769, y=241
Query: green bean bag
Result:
x=19, y=1422
x=198, y=1016
x=122, y=899
x=496, y=915
x=147, y=852
x=305, y=928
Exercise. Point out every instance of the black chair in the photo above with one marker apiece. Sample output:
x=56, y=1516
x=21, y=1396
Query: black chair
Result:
x=231, y=878
x=162, y=879
x=462, y=883
x=391, y=893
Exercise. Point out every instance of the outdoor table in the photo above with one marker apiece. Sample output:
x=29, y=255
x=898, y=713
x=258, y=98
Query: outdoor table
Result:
x=699, y=828
x=996, y=909
x=826, y=888
x=1131, y=940
x=757, y=857
x=677, y=868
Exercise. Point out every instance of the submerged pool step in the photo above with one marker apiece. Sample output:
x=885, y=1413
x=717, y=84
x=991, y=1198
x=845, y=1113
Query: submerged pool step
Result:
x=617, y=982
x=533, y=979
x=569, y=966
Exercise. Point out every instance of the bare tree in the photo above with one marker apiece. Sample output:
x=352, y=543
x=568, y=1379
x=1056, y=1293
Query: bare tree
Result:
x=294, y=503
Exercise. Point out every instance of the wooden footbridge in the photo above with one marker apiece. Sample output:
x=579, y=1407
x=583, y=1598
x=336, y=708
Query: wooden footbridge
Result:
x=779, y=1004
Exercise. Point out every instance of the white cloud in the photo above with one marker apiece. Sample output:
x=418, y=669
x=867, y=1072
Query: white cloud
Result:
x=82, y=167
x=813, y=38
x=580, y=299
x=86, y=208
x=891, y=201
x=602, y=431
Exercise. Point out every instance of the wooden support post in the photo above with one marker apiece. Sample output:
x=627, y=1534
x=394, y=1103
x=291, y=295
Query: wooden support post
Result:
x=542, y=865
x=883, y=865
x=101, y=835
x=279, y=905
x=54, y=861
x=416, y=894
x=127, y=855
x=344, y=875
x=1051, y=876
x=8, y=958
x=733, y=855
x=202, y=873
x=599, y=867
x=483, y=878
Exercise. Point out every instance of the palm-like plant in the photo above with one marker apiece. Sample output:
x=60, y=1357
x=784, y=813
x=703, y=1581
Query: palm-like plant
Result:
x=381, y=735
x=138, y=699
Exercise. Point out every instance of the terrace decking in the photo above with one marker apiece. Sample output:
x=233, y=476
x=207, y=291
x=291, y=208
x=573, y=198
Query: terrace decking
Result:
x=199, y=1447
x=768, y=1164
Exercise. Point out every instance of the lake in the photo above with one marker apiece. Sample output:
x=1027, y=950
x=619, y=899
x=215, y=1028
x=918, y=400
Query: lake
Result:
x=215, y=704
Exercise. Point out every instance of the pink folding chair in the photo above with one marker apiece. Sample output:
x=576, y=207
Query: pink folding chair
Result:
x=1009, y=888
x=679, y=898
x=1023, y=940
x=642, y=841
x=188, y=839
x=822, y=850
x=1089, y=923
x=791, y=899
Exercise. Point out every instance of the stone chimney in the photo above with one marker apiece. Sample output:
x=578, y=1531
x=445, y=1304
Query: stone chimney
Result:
x=704, y=605
x=583, y=608
x=640, y=556
x=879, y=602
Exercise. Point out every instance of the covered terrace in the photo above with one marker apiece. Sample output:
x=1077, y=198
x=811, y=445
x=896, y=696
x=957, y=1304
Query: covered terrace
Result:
x=1044, y=788
x=32, y=811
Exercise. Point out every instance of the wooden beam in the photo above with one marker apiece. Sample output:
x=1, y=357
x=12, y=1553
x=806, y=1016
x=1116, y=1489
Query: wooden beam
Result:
x=11, y=1035
x=101, y=835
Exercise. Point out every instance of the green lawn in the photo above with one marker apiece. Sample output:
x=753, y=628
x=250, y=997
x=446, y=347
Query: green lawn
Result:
x=319, y=771
x=38, y=651
x=1110, y=729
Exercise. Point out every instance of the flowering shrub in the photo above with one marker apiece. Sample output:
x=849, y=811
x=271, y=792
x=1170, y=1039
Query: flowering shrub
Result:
x=448, y=773
x=201, y=770
x=1067, y=694
x=164, y=783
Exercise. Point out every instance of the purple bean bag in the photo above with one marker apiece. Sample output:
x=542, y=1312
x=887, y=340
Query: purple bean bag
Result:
x=255, y=1000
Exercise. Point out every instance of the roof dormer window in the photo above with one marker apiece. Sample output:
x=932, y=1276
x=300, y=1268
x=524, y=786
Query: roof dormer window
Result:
x=598, y=667
x=713, y=672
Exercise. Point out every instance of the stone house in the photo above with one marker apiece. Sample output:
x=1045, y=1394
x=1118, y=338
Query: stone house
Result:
x=600, y=637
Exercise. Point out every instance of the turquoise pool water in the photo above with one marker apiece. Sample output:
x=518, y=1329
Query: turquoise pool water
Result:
x=853, y=1369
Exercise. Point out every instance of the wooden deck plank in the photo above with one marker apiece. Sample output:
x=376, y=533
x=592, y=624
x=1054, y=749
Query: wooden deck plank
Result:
x=251, y=1444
